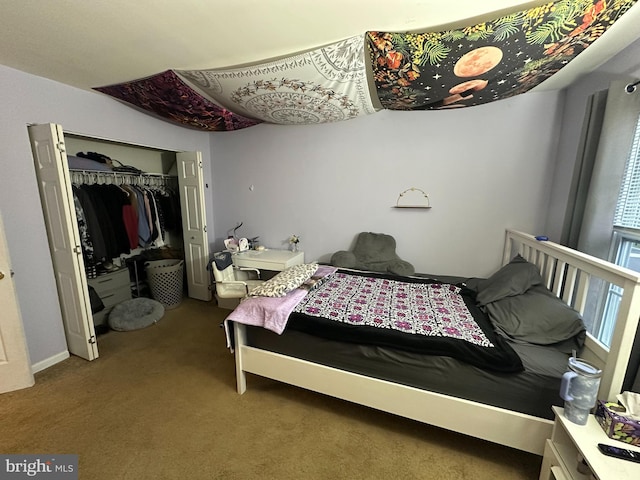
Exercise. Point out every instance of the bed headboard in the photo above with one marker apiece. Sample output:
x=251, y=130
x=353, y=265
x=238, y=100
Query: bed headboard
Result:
x=569, y=274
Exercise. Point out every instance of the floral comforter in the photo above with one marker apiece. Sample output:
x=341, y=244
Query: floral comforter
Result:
x=407, y=313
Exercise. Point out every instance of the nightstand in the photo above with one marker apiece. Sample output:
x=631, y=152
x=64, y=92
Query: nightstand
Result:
x=275, y=260
x=569, y=441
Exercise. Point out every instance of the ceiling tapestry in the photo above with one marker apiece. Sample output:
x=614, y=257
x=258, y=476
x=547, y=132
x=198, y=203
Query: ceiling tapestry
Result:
x=167, y=96
x=488, y=61
x=328, y=84
x=411, y=71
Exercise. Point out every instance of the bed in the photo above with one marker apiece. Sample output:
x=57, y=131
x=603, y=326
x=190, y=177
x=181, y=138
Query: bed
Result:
x=446, y=391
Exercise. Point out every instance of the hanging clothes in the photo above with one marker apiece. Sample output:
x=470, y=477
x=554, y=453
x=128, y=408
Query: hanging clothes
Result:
x=116, y=219
x=130, y=217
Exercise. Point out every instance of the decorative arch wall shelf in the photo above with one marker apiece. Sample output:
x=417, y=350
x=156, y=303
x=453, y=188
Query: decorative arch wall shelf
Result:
x=419, y=199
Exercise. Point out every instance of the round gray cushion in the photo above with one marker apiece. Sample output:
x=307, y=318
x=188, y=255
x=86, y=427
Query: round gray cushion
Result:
x=135, y=314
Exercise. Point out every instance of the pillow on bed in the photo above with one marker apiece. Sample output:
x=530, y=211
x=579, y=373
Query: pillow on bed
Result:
x=285, y=281
x=538, y=316
x=515, y=278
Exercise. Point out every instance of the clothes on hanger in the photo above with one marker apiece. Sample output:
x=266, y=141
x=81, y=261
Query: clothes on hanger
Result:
x=116, y=219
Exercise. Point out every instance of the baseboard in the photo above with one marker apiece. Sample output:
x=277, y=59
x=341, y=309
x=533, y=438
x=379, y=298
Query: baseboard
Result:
x=49, y=362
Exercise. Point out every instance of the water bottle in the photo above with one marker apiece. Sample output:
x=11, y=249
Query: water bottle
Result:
x=579, y=390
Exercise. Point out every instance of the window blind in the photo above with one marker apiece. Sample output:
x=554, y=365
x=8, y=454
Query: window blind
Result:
x=627, y=212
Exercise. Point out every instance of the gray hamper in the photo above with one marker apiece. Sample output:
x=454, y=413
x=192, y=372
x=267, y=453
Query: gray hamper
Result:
x=165, y=279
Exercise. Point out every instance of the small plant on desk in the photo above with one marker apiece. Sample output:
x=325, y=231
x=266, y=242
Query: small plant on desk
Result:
x=294, y=240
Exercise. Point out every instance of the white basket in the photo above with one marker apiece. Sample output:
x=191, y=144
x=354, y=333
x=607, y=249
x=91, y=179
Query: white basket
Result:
x=165, y=279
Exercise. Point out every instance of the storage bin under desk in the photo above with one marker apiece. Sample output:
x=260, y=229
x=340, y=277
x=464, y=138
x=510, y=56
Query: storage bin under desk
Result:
x=112, y=288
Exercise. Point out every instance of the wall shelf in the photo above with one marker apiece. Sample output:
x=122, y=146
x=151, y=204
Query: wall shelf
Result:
x=422, y=201
x=411, y=206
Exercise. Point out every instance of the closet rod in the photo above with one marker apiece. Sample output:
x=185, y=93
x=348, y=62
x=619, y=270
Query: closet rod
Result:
x=120, y=178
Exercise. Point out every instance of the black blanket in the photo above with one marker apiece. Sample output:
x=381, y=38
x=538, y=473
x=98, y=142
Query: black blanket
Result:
x=407, y=313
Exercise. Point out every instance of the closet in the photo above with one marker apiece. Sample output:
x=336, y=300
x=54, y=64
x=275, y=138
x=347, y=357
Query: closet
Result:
x=50, y=147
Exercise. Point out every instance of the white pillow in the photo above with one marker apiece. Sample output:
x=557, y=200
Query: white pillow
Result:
x=285, y=281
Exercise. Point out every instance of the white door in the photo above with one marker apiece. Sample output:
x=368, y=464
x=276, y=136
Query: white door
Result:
x=194, y=228
x=15, y=366
x=47, y=143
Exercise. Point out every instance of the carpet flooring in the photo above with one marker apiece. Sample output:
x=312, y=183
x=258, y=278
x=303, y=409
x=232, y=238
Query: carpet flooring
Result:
x=160, y=403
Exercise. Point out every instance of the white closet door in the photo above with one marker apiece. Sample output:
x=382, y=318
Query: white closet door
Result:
x=194, y=228
x=47, y=143
x=15, y=366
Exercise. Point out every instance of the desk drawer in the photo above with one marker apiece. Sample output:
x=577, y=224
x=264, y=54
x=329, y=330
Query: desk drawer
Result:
x=113, y=298
x=110, y=282
x=112, y=288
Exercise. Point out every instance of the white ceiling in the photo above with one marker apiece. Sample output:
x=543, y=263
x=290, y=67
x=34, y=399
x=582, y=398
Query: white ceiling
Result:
x=92, y=43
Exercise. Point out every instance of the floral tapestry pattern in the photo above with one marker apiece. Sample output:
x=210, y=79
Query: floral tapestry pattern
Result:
x=325, y=85
x=488, y=61
x=167, y=96
x=433, y=70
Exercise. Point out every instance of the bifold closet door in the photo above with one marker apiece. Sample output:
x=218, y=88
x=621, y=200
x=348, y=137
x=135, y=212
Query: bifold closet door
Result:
x=15, y=366
x=47, y=144
x=194, y=225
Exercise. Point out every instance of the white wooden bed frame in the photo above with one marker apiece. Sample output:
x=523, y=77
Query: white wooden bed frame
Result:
x=566, y=272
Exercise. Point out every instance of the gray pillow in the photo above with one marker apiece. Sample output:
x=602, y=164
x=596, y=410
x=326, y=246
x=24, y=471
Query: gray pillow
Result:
x=537, y=316
x=515, y=278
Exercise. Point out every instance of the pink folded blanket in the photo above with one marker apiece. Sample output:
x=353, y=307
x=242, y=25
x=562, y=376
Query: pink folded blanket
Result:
x=269, y=312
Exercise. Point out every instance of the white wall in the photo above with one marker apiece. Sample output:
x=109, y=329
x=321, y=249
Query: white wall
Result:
x=29, y=99
x=485, y=168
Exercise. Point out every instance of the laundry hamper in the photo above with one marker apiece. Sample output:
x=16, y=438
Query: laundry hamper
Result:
x=165, y=278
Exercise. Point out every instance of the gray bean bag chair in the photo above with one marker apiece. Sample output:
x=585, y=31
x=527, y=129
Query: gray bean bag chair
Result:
x=375, y=252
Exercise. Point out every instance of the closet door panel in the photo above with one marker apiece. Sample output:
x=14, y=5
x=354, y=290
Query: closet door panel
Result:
x=47, y=143
x=15, y=366
x=196, y=243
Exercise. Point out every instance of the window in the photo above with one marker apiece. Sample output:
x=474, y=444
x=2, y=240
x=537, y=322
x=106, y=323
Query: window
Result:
x=626, y=246
x=626, y=237
x=628, y=207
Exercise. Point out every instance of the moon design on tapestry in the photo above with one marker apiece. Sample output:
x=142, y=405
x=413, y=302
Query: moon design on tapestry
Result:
x=478, y=61
x=471, y=85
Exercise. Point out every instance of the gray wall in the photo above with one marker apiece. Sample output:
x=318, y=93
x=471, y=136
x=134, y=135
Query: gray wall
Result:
x=29, y=99
x=485, y=168
x=625, y=64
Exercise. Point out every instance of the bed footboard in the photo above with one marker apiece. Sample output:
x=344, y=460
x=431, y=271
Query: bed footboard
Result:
x=471, y=418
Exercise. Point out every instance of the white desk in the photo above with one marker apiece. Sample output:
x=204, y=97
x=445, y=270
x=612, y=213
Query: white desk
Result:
x=276, y=260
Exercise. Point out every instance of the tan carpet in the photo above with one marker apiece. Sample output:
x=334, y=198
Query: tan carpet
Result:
x=161, y=403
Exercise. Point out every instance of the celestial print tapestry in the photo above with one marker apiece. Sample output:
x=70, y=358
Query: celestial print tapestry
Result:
x=167, y=96
x=328, y=84
x=488, y=61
